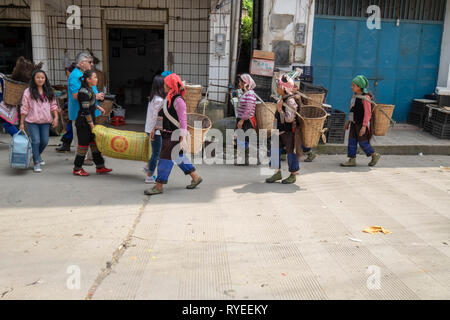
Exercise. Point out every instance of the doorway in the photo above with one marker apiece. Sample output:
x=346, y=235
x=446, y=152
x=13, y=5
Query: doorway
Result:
x=135, y=56
x=14, y=42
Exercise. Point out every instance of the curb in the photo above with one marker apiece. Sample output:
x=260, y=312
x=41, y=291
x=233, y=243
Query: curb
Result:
x=405, y=150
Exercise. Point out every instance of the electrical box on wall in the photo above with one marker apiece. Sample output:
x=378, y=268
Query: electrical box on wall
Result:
x=300, y=54
x=220, y=44
x=300, y=32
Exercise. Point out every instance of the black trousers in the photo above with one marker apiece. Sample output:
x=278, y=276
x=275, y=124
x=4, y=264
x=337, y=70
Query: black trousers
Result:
x=86, y=140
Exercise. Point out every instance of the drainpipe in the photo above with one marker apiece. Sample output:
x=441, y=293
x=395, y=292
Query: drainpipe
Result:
x=39, y=32
x=235, y=31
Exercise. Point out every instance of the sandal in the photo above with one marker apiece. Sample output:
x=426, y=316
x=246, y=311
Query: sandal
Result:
x=194, y=184
x=153, y=191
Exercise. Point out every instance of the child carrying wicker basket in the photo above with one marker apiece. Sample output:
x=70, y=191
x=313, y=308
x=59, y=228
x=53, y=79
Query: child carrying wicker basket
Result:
x=286, y=119
x=359, y=123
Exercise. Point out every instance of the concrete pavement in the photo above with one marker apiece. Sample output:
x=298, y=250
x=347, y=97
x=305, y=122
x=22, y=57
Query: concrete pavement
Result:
x=233, y=238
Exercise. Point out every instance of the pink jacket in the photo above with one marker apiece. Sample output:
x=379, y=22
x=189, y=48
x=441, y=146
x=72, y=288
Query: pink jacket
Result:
x=37, y=111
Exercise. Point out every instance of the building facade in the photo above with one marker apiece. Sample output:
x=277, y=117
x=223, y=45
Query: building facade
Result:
x=405, y=57
x=133, y=39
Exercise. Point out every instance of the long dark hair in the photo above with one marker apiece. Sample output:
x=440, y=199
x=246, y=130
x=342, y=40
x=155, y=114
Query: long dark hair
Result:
x=157, y=87
x=47, y=88
x=86, y=75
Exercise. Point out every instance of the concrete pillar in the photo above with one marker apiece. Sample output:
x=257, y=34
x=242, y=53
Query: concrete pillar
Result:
x=39, y=32
x=444, y=67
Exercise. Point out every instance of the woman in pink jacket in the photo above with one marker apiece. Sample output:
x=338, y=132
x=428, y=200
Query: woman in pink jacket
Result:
x=39, y=110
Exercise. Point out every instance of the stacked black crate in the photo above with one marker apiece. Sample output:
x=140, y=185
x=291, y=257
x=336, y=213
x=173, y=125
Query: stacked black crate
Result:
x=335, y=124
x=440, y=119
x=263, y=86
x=418, y=112
x=428, y=125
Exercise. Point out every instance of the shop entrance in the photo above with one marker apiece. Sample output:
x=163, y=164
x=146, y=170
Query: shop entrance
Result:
x=136, y=55
x=14, y=42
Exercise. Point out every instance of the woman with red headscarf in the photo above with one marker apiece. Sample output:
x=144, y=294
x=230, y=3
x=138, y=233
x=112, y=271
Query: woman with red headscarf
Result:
x=173, y=117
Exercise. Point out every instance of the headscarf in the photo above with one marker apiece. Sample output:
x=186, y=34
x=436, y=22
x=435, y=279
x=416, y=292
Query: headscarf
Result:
x=362, y=82
x=166, y=73
x=287, y=83
x=248, y=81
x=176, y=86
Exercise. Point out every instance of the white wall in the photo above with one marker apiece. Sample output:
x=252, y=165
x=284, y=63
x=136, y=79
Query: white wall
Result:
x=445, y=51
x=302, y=12
x=219, y=66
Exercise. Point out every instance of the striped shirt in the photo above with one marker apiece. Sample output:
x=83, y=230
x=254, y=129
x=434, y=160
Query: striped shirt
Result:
x=247, y=105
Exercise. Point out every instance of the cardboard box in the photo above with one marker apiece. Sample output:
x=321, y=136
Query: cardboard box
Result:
x=262, y=67
x=265, y=55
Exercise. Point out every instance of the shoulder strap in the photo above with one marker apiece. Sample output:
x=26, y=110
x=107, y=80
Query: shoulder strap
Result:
x=168, y=116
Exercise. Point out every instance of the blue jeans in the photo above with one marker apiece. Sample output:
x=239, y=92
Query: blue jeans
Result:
x=10, y=128
x=39, y=139
x=156, y=151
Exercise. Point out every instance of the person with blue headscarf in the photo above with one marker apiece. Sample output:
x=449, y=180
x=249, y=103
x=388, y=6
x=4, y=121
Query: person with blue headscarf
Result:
x=359, y=123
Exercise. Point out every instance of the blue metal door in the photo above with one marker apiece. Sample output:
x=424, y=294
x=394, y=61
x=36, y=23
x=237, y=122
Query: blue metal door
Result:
x=401, y=62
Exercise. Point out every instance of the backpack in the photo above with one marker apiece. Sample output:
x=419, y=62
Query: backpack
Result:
x=20, y=151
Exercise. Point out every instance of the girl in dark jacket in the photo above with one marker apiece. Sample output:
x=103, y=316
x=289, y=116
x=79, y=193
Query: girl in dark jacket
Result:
x=85, y=123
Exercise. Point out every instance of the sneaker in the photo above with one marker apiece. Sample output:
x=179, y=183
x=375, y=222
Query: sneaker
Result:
x=103, y=170
x=350, y=163
x=150, y=180
x=37, y=168
x=42, y=162
x=80, y=173
x=311, y=157
x=290, y=180
x=375, y=158
x=277, y=176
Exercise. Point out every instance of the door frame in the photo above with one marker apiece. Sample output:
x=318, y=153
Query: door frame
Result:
x=106, y=24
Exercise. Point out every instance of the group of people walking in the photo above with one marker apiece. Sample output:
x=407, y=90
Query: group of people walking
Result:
x=166, y=113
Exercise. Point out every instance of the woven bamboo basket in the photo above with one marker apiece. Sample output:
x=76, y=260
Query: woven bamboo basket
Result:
x=381, y=120
x=313, y=119
x=107, y=105
x=264, y=118
x=13, y=91
x=198, y=134
x=192, y=97
x=315, y=99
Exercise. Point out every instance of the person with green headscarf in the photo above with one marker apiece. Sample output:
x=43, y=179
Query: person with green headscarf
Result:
x=359, y=123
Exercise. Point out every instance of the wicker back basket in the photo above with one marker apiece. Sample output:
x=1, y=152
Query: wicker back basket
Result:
x=198, y=134
x=315, y=99
x=108, y=106
x=382, y=118
x=192, y=97
x=264, y=118
x=313, y=119
x=13, y=91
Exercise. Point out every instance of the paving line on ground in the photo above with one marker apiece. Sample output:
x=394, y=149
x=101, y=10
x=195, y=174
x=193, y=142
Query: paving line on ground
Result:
x=117, y=254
